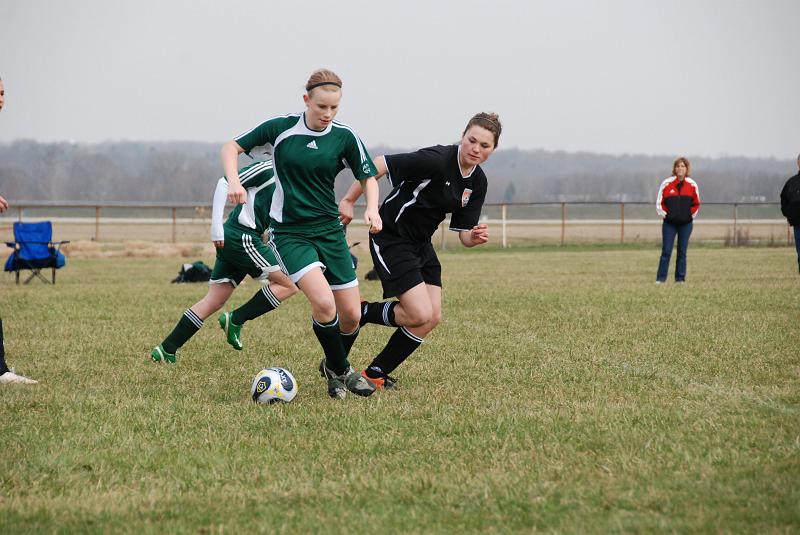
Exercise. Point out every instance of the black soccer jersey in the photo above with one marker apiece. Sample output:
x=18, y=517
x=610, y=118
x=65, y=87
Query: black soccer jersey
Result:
x=427, y=186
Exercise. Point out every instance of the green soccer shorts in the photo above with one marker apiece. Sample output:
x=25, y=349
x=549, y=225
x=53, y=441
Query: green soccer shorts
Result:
x=299, y=250
x=243, y=254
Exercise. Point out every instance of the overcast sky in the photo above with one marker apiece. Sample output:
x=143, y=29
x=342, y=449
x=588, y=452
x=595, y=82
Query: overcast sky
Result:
x=701, y=77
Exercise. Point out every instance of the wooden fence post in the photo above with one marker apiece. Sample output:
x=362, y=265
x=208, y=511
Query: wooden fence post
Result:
x=563, y=220
x=735, y=234
x=503, y=215
x=622, y=222
x=97, y=223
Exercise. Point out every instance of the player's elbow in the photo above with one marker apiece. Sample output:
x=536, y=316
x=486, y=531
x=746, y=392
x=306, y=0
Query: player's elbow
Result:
x=230, y=148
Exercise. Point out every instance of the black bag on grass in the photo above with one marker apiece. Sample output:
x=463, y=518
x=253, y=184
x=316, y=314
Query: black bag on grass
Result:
x=194, y=272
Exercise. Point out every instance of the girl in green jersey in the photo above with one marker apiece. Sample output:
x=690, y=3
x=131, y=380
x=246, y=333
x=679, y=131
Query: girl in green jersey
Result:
x=309, y=151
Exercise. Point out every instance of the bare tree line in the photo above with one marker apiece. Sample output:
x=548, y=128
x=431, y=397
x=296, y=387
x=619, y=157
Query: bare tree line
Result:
x=187, y=171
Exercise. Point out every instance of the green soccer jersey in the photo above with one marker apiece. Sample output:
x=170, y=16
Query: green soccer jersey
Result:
x=259, y=183
x=306, y=164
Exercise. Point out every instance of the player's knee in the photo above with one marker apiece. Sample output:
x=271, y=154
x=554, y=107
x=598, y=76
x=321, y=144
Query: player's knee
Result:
x=419, y=316
x=324, y=309
x=208, y=306
x=436, y=319
x=350, y=314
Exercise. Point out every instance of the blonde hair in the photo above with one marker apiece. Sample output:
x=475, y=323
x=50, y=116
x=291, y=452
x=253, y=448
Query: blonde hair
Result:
x=489, y=121
x=323, y=77
x=685, y=162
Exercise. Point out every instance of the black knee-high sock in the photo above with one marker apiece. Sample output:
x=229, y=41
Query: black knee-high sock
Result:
x=189, y=324
x=261, y=303
x=400, y=346
x=331, y=341
x=3, y=367
x=380, y=313
x=348, y=339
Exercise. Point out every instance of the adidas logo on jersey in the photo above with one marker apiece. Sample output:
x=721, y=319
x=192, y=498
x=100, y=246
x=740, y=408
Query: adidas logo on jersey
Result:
x=313, y=144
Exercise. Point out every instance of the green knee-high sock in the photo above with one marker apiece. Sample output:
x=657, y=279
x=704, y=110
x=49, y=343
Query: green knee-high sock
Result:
x=189, y=324
x=261, y=303
x=348, y=339
x=331, y=341
x=401, y=344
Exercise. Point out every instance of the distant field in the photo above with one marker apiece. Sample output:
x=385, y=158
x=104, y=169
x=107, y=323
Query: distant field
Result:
x=526, y=225
x=564, y=392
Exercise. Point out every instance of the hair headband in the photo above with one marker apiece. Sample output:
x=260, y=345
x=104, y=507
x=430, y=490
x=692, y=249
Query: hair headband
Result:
x=309, y=88
x=488, y=120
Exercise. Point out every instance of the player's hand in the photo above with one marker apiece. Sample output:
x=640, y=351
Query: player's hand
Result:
x=345, y=211
x=373, y=220
x=479, y=234
x=236, y=194
x=219, y=244
x=3, y=205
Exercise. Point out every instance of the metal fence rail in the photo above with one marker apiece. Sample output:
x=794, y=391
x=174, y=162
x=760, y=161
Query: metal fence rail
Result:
x=556, y=222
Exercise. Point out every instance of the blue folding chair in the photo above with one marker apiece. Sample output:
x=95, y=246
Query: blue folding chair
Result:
x=35, y=250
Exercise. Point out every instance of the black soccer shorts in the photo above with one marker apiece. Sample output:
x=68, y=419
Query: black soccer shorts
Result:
x=402, y=264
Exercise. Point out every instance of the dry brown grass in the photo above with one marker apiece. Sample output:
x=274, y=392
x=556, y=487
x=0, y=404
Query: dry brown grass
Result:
x=136, y=249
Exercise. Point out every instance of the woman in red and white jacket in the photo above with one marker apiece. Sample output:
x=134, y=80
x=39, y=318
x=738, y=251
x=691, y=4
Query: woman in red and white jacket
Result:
x=677, y=203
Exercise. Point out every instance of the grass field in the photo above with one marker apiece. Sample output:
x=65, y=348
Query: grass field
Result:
x=564, y=392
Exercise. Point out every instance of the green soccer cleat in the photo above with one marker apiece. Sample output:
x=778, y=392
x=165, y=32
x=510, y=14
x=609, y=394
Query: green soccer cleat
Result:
x=351, y=380
x=159, y=355
x=233, y=332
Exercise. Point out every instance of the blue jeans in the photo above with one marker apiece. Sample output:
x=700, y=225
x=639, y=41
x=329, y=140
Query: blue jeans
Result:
x=797, y=243
x=668, y=233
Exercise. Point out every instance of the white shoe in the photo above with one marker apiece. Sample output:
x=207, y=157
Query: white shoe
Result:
x=11, y=377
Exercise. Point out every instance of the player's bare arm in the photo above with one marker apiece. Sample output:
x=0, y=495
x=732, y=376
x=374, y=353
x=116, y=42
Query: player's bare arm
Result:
x=230, y=165
x=355, y=191
x=477, y=235
x=371, y=216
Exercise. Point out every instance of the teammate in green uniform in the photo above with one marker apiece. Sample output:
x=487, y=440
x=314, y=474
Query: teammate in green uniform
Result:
x=309, y=150
x=240, y=252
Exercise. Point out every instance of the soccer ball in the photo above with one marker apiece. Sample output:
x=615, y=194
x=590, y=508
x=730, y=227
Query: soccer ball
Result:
x=272, y=385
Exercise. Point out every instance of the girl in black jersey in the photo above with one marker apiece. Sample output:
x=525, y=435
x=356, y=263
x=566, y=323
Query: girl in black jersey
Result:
x=427, y=185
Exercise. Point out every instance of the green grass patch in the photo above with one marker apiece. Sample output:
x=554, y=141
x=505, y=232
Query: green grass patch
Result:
x=564, y=392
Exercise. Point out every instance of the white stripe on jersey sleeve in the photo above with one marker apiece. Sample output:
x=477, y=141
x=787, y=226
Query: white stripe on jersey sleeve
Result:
x=361, y=150
x=253, y=171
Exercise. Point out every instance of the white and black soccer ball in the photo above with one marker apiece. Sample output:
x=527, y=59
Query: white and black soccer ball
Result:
x=272, y=385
